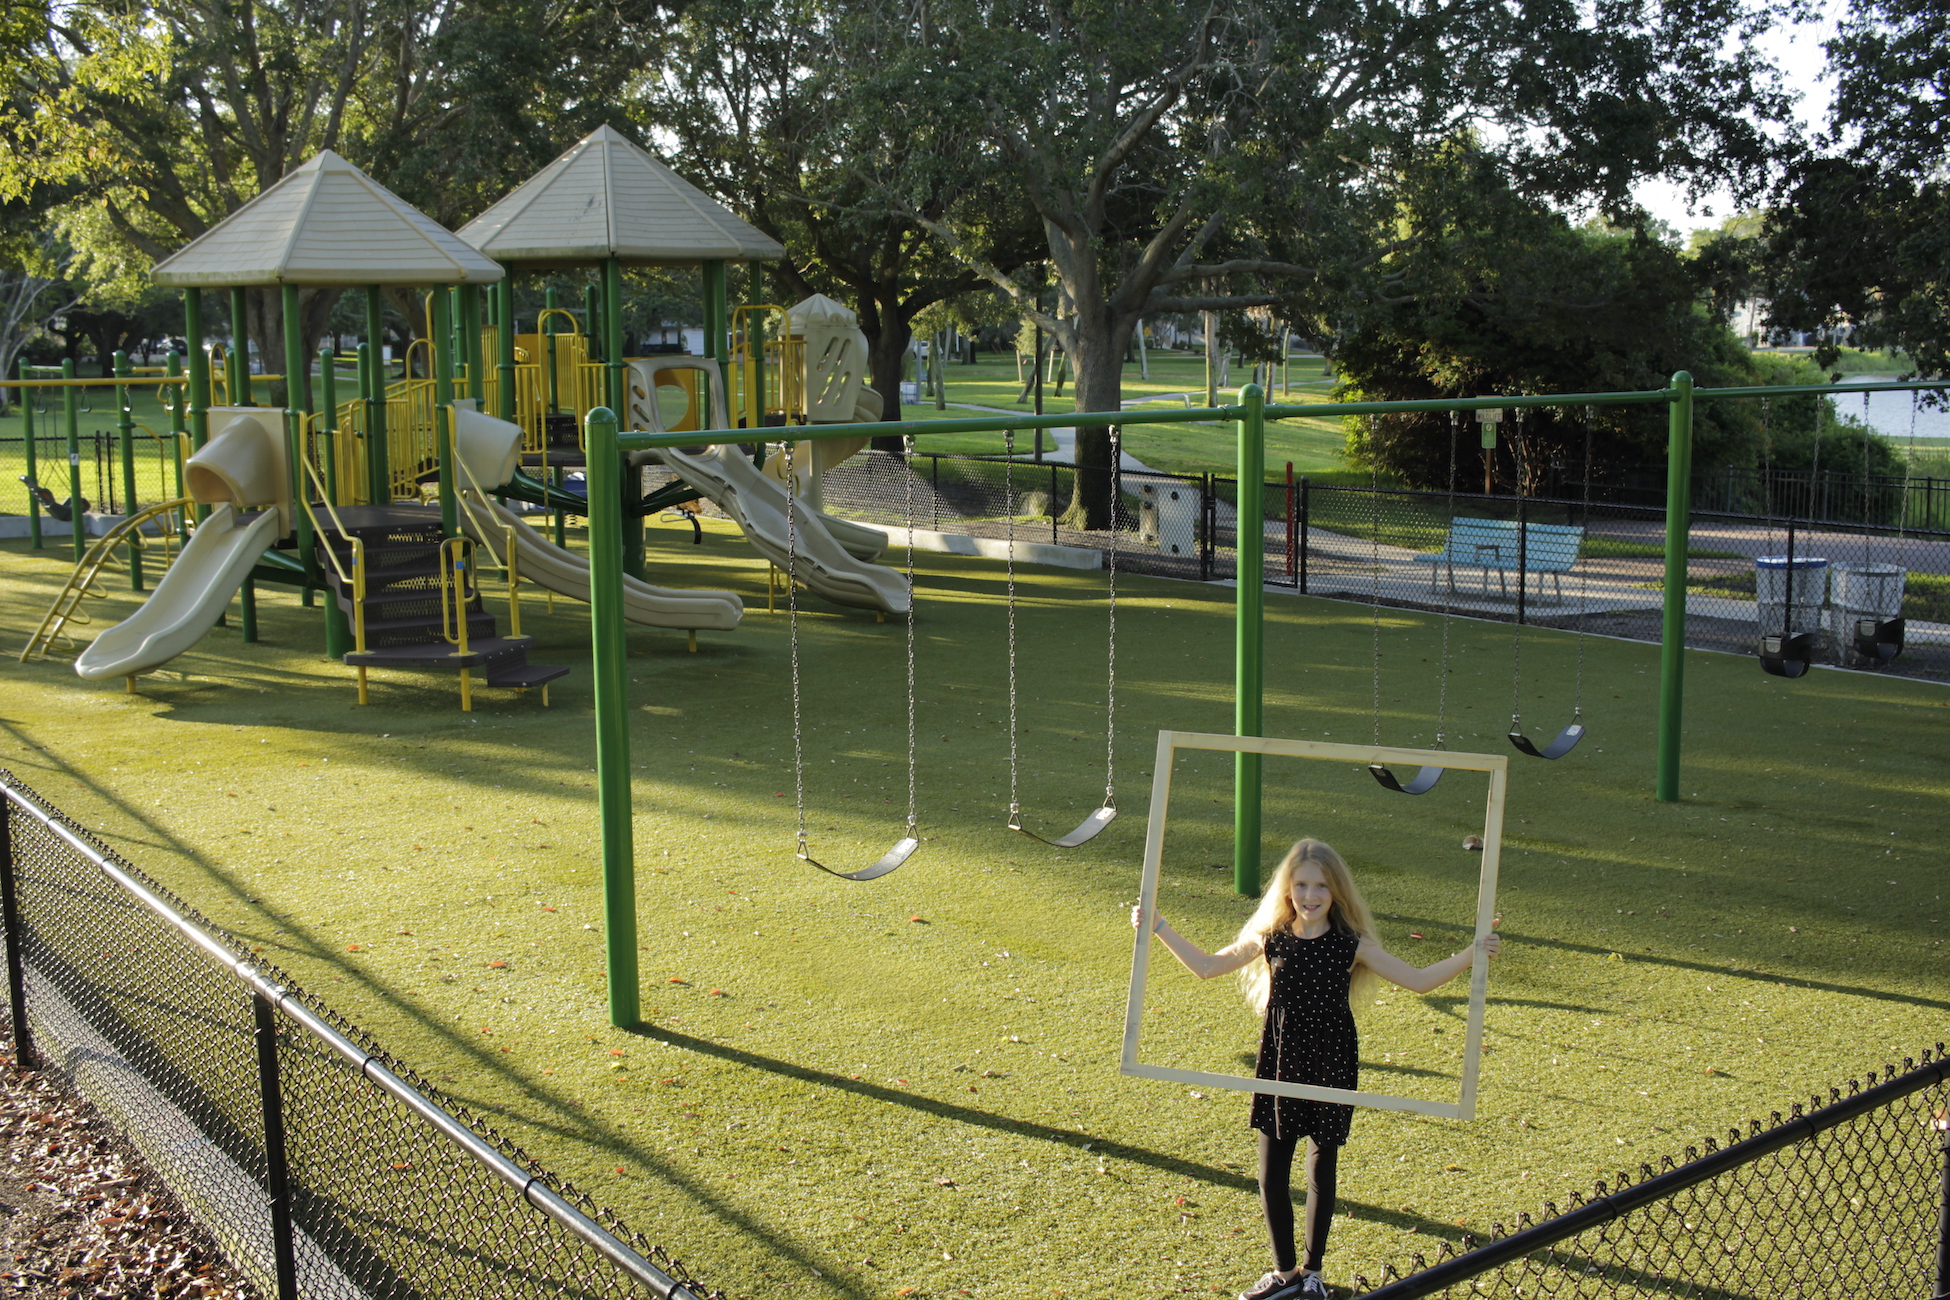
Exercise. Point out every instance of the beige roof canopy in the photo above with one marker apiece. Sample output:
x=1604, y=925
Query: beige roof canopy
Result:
x=327, y=223
x=607, y=198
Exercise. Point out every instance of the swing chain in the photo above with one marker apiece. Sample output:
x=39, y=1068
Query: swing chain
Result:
x=1868, y=556
x=1448, y=595
x=1110, y=708
x=913, y=819
x=1516, y=641
x=1374, y=565
x=1584, y=580
x=792, y=636
x=1009, y=516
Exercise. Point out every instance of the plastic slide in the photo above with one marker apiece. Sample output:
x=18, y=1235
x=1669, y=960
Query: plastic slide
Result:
x=241, y=468
x=489, y=450
x=188, y=601
x=727, y=476
x=540, y=561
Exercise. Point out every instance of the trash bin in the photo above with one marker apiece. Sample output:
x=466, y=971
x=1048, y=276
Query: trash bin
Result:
x=1168, y=517
x=1772, y=591
x=1862, y=593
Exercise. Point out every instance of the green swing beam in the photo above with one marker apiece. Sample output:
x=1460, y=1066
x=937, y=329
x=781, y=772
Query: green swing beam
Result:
x=1247, y=417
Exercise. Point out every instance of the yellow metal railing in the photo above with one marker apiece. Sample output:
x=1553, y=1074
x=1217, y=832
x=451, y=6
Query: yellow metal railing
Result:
x=354, y=582
x=457, y=588
x=81, y=586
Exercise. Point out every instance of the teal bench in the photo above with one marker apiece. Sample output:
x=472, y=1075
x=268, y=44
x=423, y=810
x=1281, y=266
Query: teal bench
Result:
x=1492, y=545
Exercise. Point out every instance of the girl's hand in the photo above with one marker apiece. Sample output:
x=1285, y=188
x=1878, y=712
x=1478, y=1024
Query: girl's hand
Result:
x=1137, y=916
x=1491, y=944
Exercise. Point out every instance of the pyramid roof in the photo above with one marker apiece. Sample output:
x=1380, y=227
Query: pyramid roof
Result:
x=606, y=198
x=327, y=223
x=820, y=310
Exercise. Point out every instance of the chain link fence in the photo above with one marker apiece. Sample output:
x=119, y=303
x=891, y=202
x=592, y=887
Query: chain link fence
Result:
x=320, y=1165
x=1849, y=1197
x=1478, y=555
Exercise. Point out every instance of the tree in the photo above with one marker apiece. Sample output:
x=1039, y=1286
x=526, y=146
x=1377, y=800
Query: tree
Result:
x=775, y=109
x=168, y=118
x=1207, y=156
x=1861, y=240
x=33, y=287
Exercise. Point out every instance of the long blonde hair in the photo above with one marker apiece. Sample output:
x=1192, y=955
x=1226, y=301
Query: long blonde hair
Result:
x=1349, y=914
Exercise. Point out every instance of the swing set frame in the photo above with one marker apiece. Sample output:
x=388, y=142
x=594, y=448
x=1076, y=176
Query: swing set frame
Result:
x=1247, y=420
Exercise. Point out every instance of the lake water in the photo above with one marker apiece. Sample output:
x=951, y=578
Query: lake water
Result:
x=1889, y=413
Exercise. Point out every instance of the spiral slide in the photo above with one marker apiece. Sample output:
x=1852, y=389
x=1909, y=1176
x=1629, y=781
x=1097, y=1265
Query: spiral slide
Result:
x=488, y=450
x=243, y=467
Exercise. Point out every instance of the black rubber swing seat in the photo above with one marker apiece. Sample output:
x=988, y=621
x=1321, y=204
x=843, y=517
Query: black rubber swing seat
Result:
x=1787, y=656
x=901, y=852
x=1879, y=639
x=1422, y=782
x=1086, y=830
x=1567, y=740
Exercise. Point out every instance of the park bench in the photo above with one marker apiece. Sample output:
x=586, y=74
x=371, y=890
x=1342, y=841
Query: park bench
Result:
x=1493, y=545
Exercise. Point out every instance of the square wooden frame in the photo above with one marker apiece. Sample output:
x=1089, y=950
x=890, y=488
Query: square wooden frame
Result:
x=1169, y=743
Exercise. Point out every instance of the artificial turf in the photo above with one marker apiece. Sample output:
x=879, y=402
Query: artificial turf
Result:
x=851, y=1090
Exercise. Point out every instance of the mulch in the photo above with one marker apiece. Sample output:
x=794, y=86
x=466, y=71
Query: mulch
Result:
x=81, y=1214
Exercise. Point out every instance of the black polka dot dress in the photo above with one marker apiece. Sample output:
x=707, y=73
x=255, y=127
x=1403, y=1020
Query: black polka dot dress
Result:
x=1309, y=1035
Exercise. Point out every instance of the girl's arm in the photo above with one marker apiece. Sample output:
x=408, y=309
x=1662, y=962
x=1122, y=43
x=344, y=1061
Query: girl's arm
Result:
x=1425, y=979
x=1195, y=959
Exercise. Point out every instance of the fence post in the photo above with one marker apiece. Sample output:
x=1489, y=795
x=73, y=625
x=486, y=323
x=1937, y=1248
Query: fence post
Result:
x=1304, y=483
x=10, y=920
x=1292, y=528
x=125, y=443
x=277, y=1172
x=71, y=418
x=1672, y=648
x=1943, y=1209
x=1052, y=498
x=28, y=396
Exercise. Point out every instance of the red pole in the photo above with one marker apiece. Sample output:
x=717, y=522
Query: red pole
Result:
x=1292, y=525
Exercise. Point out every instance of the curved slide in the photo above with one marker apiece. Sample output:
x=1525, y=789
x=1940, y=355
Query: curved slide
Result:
x=188, y=601
x=758, y=505
x=540, y=561
x=489, y=451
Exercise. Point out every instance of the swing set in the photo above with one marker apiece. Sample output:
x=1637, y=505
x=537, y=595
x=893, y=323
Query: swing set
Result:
x=607, y=447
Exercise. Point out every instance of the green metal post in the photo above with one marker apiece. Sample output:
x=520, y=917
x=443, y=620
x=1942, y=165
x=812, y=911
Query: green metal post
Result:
x=631, y=485
x=611, y=668
x=248, y=598
x=125, y=444
x=71, y=418
x=240, y=348
x=443, y=401
x=328, y=382
x=366, y=381
x=379, y=465
x=27, y=399
x=555, y=474
x=1672, y=642
x=1249, y=639
x=469, y=340
x=504, y=296
x=593, y=327
x=198, y=361
x=178, y=419
x=717, y=338
x=297, y=405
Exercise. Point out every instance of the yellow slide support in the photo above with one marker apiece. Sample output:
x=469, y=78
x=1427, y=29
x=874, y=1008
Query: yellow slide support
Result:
x=81, y=583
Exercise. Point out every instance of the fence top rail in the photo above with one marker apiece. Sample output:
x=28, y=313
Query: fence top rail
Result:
x=264, y=981
x=1716, y=1161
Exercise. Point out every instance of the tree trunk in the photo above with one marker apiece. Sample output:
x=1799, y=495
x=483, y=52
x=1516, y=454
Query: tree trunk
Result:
x=887, y=351
x=1098, y=355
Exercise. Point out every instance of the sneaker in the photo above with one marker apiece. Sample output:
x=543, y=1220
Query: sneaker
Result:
x=1274, y=1287
x=1312, y=1288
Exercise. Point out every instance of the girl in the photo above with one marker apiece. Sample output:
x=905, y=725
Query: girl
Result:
x=1306, y=955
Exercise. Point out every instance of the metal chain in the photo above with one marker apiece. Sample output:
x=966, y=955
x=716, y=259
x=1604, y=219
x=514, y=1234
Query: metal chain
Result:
x=792, y=636
x=1448, y=593
x=1374, y=567
x=1909, y=462
x=1867, y=556
x=1009, y=515
x=1584, y=579
x=912, y=800
x=1516, y=642
x=1110, y=693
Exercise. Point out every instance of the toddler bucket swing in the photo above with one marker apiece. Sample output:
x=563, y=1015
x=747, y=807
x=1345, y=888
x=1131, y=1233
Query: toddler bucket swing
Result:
x=1880, y=640
x=904, y=847
x=1090, y=826
x=1788, y=654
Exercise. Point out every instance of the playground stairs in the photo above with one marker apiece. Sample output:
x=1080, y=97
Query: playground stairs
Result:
x=404, y=628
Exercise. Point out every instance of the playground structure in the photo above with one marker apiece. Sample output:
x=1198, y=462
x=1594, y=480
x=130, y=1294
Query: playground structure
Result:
x=353, y=472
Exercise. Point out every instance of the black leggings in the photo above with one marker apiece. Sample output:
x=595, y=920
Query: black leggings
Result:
x=1276, y=1197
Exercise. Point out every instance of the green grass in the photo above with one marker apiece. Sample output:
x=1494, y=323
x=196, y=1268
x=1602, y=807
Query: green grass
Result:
x=821, y=1055
x=1854, y=361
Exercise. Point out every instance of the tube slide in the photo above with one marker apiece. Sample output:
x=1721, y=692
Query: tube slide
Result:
x=188, y=601
x=758, y=504
x=540, y=561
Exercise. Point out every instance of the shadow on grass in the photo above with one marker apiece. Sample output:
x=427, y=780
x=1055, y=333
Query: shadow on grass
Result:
x=949, y=1112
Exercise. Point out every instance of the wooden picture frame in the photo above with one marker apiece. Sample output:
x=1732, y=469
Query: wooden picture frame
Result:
x=1169, y=743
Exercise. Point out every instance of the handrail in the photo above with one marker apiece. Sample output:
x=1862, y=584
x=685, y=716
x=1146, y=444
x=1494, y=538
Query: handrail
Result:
x=80, y=584
x=455, y=592
x=508, y=542
x=575, y=326
x=355, y=584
